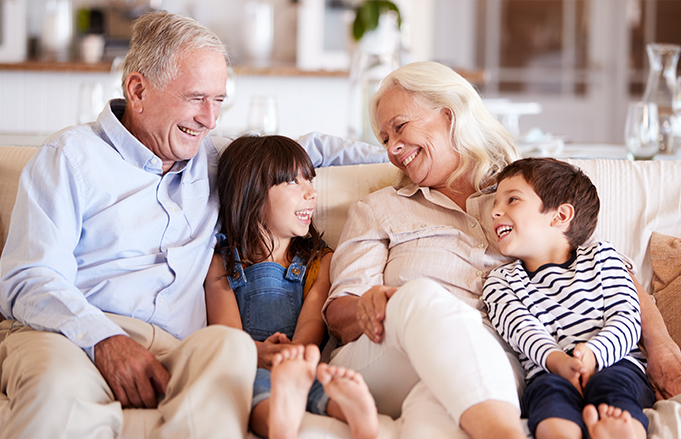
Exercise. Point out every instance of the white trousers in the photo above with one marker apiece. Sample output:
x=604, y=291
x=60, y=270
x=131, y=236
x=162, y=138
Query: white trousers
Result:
x=436, y=360
x=55, y=391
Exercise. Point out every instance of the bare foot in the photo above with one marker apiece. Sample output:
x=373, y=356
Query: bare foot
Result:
x=347, y=389
x=614, y=423
x=292, y=375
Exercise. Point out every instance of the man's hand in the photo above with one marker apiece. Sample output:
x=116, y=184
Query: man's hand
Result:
x=133, y=373
x=267, y=349
x=371, y=311
x=588, y=359
x=568, y=367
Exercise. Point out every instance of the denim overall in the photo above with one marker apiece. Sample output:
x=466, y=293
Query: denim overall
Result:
x=270, y=298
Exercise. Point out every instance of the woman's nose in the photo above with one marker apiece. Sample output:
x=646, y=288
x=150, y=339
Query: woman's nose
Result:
x=311, y=193
x=394, y=147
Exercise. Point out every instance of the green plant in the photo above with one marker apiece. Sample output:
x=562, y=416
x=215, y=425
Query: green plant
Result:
x=367, y=14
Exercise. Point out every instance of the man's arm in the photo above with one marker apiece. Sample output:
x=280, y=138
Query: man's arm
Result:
x=326, y=150
x=664, y=356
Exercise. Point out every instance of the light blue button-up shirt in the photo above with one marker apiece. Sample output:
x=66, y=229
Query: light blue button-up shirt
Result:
x=97, y=227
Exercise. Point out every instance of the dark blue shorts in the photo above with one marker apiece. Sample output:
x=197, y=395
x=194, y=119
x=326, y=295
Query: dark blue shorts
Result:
x=623, y=385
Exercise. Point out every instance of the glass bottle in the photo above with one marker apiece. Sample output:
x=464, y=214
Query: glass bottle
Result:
x=660, y=88
x=377, y=54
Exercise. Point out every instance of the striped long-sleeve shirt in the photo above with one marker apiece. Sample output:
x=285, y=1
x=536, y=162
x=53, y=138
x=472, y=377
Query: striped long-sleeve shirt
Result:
x=589, y=299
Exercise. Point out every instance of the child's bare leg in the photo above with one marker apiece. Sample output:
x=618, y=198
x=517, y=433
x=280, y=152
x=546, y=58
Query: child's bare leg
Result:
x=350, y=400
x=614, y=423
x=293, y=372
x=558, y=428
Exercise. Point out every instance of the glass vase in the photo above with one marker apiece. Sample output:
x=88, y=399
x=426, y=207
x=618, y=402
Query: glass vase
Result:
x=377, y=54
x=660, y=90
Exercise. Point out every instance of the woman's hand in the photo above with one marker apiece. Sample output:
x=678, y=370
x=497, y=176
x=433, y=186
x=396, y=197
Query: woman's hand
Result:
x=371, y=311
x=267, y=349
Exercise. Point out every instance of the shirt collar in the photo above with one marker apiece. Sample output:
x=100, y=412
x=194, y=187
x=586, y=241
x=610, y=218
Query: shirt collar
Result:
x=127, y=145
x=440, y=199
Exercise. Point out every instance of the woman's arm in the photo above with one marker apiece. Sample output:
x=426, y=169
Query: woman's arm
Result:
x=664, y=356
x=357, y=266
x=310, y=327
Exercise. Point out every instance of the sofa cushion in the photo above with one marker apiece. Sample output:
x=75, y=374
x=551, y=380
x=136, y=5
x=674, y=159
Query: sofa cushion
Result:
x=665, y=256
x=12, y=162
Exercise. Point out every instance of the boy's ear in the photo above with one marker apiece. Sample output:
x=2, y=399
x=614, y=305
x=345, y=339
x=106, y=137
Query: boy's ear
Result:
x=563, y=215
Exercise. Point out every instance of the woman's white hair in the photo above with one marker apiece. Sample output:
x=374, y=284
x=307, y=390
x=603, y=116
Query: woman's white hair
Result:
x=158, y=41
x=484, y=146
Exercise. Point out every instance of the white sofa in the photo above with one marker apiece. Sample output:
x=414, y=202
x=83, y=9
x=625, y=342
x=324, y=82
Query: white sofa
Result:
x=637, y=198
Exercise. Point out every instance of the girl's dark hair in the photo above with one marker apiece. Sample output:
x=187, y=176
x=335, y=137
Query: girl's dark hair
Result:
x=247, y=169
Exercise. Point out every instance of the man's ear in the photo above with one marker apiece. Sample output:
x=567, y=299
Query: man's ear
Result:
x=136, y=86
x=563, y=215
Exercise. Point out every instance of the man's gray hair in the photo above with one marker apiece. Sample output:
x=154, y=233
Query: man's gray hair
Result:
x=158, y=40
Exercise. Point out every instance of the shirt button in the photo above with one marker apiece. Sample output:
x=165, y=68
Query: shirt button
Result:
x=473, y=225
x=481, y=245
x=80, y=336
x=423, y=226
x=235, y=275
x=296, y=271
x=478, y=273
x=154, y=161
x=161, y=301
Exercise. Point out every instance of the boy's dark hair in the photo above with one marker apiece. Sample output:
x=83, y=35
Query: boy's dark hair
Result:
x=247, y=169
x=556, y=183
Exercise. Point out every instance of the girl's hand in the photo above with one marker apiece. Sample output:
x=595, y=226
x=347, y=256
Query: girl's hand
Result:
x=588, y=359
x=267, y=349
x=371, y=311
x=568, y=367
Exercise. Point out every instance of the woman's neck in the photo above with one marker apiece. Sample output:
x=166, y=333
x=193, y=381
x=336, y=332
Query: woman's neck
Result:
x=458, y=192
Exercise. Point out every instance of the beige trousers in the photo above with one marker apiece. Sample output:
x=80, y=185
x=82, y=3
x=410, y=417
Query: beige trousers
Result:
x=55, y=391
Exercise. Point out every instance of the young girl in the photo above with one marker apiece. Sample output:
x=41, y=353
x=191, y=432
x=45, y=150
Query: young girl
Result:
x=270, y=277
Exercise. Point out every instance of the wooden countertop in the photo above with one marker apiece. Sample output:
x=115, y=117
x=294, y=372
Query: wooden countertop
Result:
x=474, y=76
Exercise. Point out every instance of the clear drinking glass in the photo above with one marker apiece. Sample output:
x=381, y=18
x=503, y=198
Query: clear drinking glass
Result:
x=642, y=131
x=262, y=115
x=91, y=101
x=222, y=129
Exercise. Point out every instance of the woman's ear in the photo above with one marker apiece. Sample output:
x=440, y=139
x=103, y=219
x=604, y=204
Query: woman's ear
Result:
x=563, y=215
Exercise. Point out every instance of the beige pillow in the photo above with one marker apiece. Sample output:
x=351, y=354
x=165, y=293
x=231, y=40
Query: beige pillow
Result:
x=665, y=255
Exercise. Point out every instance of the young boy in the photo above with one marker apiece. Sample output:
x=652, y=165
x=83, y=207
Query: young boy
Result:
x=570, y=310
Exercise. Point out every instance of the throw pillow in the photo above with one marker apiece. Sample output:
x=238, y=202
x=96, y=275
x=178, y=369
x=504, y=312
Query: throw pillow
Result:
x=665, y=255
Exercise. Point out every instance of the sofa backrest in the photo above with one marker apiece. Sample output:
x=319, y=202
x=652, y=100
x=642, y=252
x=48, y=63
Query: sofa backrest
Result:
x=12, y=161
x=637, y=198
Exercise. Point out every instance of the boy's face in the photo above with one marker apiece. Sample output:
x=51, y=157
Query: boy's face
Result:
x=522, y=230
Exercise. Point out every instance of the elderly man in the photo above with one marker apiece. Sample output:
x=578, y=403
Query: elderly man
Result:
x=110, y=240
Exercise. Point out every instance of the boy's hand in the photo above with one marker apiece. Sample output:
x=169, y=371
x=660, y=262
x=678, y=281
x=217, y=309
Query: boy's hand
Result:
x=588, y=359
x=568, y=367
x=267, y=349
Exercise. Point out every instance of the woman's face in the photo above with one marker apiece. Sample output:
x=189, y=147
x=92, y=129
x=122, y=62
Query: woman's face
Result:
x=417, y=138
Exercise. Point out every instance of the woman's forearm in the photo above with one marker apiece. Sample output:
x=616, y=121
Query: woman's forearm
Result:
x=341, y=314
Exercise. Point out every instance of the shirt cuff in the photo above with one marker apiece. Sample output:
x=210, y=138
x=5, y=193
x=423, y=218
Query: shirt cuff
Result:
x=85, y=332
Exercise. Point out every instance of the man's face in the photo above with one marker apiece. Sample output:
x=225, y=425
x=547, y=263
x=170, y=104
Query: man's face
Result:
x=173, y=120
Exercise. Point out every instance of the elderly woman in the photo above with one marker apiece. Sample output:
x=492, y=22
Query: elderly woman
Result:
x=436, y=226
x=426, y=350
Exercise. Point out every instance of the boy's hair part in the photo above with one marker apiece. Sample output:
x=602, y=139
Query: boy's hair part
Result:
x=557, y=182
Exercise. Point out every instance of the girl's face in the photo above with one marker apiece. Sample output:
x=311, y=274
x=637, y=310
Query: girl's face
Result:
x=289, y=208
x=417, y=138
